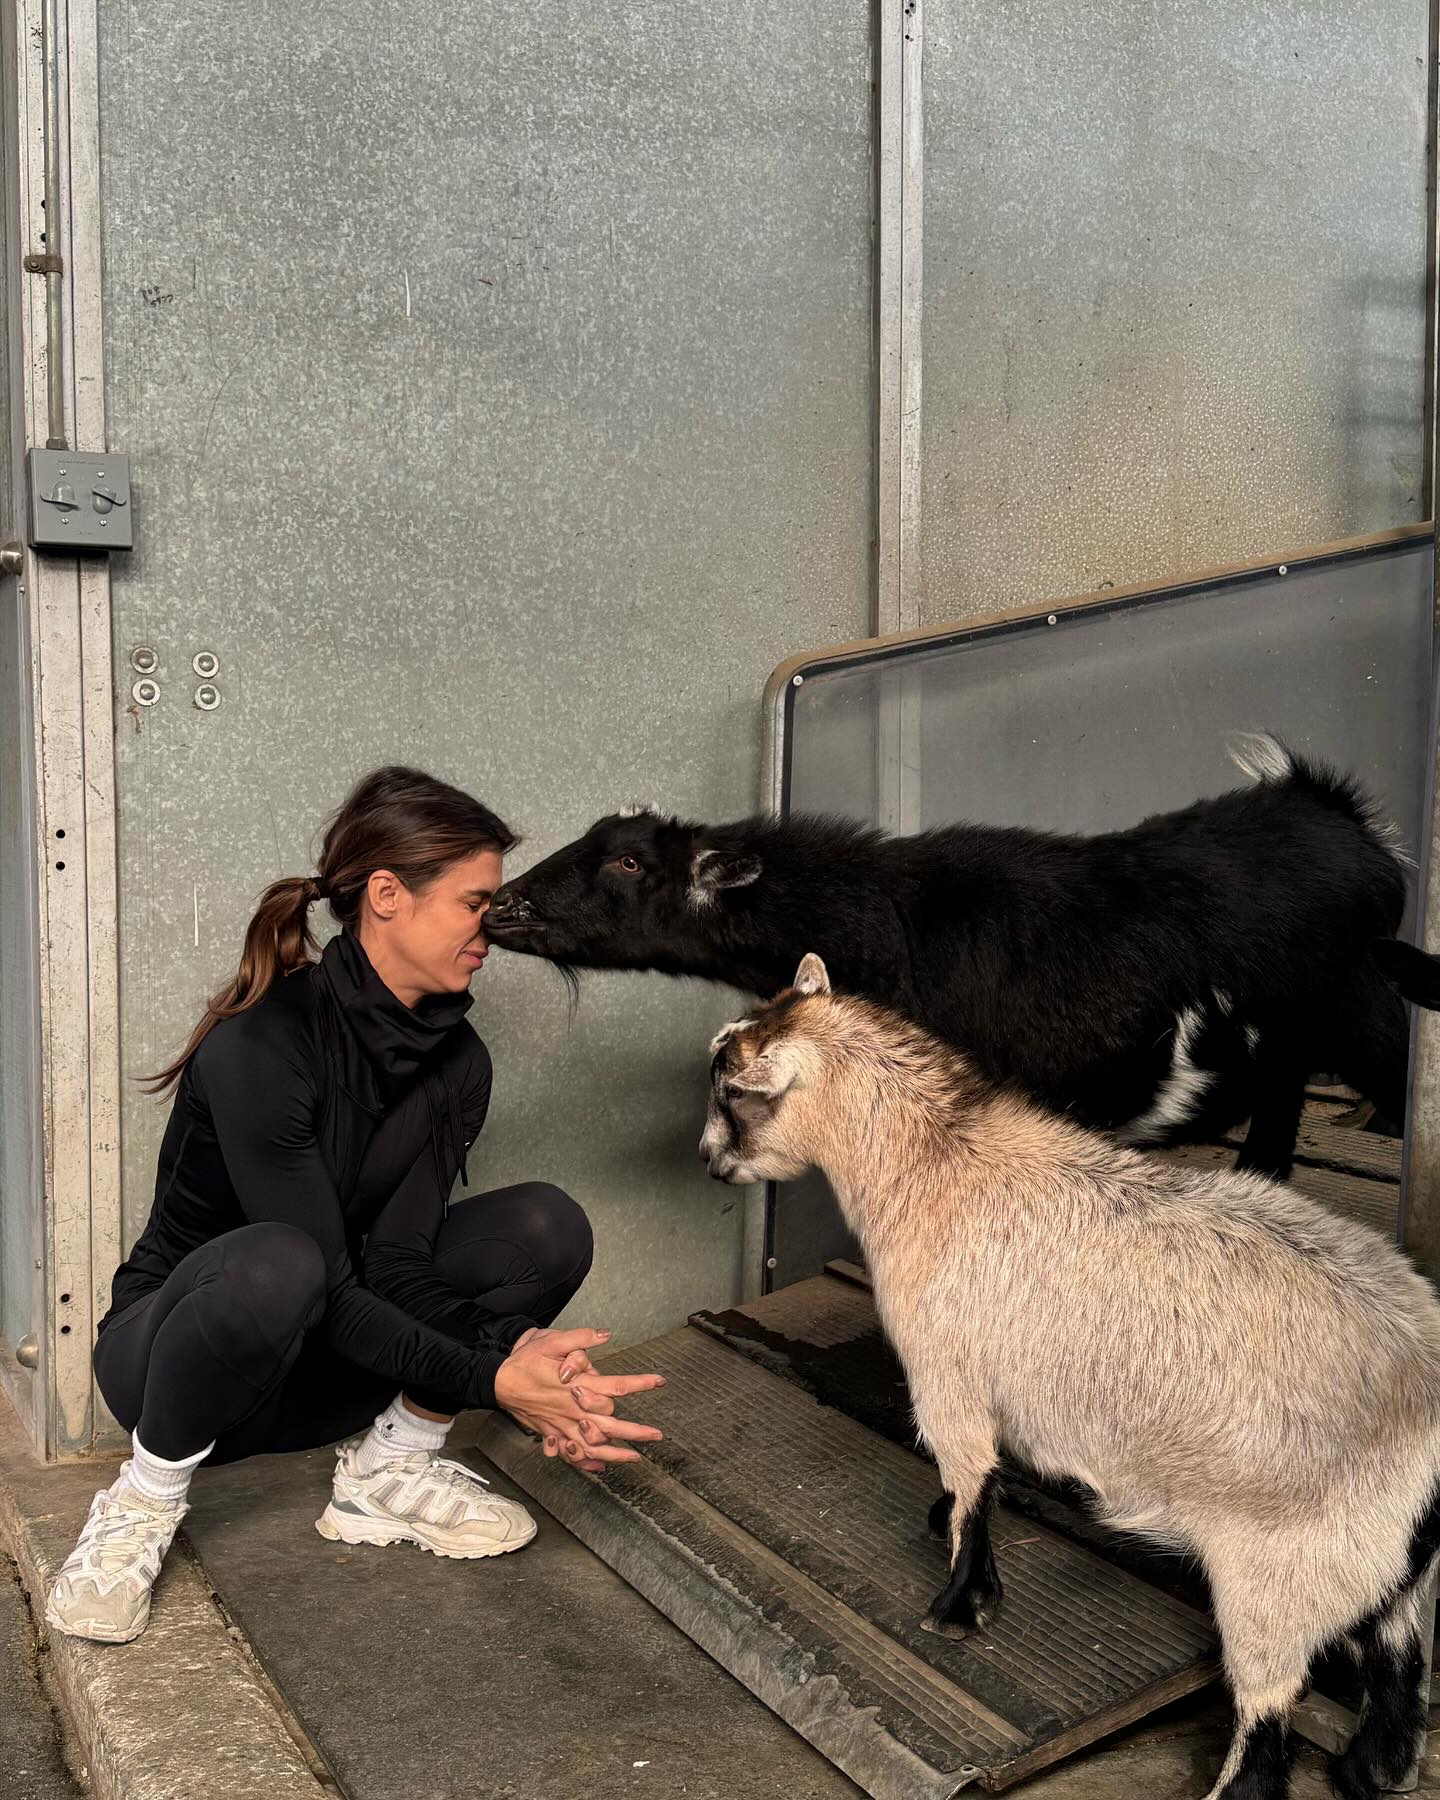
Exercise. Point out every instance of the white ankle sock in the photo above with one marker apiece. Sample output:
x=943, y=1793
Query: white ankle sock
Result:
x=155, y=1478
x=398, y=1432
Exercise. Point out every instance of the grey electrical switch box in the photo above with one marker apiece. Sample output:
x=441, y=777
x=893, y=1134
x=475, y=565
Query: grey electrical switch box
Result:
x=78, y=501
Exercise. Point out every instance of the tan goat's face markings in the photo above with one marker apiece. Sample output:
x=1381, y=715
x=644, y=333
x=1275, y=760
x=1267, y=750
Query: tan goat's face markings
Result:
x=757, y=1065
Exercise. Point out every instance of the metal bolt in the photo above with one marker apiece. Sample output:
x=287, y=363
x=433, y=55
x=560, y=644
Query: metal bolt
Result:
x=205, y=663
x=1283, y=569
x=143, y=660
x=799, y=681
x=145, y=693
x=207, y=697
x=1053, y=619
x=12, y=559
x=104, y=522
x=771, y=1262
x=27, y=1352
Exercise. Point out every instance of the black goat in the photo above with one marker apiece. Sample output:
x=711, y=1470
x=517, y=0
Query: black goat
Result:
x=1164, y=983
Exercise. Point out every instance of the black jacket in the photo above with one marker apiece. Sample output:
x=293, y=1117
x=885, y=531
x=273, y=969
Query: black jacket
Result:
x=334, y=1107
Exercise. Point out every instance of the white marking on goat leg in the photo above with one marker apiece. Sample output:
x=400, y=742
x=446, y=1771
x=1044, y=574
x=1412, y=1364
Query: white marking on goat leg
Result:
x=1179, y=1094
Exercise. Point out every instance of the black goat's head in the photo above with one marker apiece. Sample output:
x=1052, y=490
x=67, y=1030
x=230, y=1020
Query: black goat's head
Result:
x=635, y=892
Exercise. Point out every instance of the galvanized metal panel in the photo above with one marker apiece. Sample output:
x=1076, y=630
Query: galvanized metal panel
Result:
x=498, y=390
x=1174, y=287
x=1089, y=718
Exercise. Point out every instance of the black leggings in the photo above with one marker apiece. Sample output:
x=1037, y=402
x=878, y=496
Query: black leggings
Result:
x=227, y=1348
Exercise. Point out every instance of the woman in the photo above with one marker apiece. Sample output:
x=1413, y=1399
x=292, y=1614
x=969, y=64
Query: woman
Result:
x=302, y=1272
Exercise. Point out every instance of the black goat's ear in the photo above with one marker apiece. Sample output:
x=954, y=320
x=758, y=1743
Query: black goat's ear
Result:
x=712, y=871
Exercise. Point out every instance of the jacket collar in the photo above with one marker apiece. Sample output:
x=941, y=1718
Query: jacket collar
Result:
x=396, y=1039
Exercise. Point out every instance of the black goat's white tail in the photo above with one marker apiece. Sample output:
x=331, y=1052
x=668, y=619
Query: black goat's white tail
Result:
x=1265, y=759
x=1261, y=756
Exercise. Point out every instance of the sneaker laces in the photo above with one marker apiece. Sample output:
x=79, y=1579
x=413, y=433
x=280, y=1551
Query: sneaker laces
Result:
x=457, y=1475
x=119, y=1539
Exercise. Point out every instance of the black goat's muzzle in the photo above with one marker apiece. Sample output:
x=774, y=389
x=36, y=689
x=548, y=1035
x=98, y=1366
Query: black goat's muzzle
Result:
x=509, y=912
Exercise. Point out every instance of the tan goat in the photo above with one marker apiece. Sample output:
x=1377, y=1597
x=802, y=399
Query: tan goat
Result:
x=1230, y=1368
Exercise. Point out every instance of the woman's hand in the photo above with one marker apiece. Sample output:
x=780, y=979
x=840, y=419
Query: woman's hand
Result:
x=539, y=1384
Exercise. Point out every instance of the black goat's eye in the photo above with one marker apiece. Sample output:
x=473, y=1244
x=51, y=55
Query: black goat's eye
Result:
x=629, y=865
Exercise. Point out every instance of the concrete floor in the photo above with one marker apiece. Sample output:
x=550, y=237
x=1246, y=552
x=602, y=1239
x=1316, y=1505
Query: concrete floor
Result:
x=31, y=1765
x=535, y=1676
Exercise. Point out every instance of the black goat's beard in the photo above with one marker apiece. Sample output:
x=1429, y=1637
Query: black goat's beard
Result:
x=570, y=975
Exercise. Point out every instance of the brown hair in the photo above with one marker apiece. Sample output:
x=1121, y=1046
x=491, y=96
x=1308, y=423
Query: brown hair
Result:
x=397, y=819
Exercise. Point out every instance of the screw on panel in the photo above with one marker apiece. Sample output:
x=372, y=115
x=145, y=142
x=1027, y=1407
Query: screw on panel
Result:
x=1054, y=619
x=771, y=1262
x=207, y=697
x=143, y=660
x=1283, y=569
x=205, y=663
x=799, y=681
x=145, y=693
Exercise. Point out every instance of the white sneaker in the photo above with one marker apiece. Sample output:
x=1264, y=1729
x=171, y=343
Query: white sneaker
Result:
x=103, y=1591
x=422, y=1499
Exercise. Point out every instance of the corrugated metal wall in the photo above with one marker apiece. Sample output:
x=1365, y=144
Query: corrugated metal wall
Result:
x=497, y=381
x=1174, y=287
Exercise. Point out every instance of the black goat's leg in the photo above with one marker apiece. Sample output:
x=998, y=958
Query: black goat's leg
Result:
x=1269, y=1147
x=968, y=1600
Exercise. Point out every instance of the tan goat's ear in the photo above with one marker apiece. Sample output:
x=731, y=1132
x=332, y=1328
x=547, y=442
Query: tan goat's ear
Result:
x=774, y=1072
x=811, y=977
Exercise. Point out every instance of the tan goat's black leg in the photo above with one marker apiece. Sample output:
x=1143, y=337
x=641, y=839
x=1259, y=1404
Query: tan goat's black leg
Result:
x=968, y=1600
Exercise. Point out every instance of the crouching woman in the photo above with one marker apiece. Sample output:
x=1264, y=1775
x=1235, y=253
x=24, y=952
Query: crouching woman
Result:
x=303, y=1276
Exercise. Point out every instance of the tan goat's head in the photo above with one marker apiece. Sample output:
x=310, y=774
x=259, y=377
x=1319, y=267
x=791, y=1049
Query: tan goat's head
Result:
x=753, y=1130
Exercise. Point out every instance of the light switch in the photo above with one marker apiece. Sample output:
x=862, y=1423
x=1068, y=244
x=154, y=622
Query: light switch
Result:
x=78, y=501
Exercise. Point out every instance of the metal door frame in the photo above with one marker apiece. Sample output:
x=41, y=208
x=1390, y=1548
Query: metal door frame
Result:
x=66, y=603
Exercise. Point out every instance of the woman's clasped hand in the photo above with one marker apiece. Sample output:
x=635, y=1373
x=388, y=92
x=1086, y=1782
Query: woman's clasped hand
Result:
x=550, y=1386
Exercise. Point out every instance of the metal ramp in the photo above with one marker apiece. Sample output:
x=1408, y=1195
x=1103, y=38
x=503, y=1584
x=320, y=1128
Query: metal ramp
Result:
x=782, y=1525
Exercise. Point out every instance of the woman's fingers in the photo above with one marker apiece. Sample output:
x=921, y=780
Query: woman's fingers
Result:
x=617, y=1386
x=576, y=1363
x=624, y=1428
x=559, y=1344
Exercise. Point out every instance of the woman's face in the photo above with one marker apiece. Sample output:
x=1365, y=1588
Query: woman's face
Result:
x=433, y=942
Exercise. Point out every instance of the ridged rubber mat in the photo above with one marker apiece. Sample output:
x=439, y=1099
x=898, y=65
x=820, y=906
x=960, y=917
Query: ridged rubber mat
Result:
x=791, y=1543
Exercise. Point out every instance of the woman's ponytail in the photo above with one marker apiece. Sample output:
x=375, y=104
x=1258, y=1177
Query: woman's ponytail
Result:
x=277, y=941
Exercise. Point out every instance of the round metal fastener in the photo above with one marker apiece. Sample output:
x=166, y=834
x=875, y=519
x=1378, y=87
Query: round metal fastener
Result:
x=206, y=664
x=27, y=1352
x=1054, y=619
x=207, y=696
x=1284, y=569
x=145, y=693
x=799, y=681
x=12, y=559
x=143, y=660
